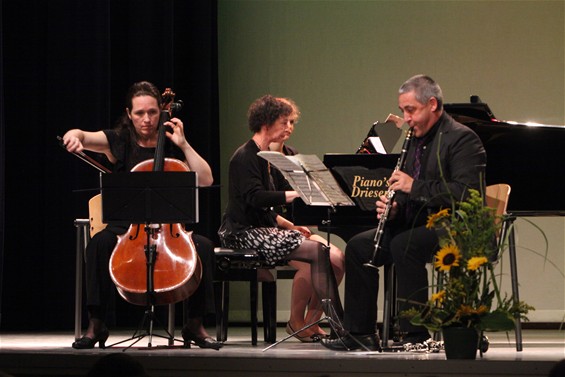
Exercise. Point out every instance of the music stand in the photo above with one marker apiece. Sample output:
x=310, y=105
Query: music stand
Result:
x=149, y=198
x=316, y=186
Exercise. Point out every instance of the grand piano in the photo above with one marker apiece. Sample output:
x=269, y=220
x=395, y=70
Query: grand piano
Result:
x=529, y=157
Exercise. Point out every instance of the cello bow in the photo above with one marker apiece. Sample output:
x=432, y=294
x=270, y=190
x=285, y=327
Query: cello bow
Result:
x=86, y=158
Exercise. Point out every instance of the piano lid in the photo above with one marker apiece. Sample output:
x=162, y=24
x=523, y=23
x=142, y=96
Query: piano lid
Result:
x=529, y=157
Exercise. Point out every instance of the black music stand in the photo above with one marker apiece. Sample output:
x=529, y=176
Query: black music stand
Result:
x=307, y=175
x=149, y=198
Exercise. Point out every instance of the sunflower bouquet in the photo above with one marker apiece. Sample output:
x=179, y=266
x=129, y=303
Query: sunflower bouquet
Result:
x=467, y=293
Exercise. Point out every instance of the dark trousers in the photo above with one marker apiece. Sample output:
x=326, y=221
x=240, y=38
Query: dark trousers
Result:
x=409, y=250
x=100, y=287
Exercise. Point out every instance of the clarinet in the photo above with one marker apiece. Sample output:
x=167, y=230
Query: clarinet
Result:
x=390, y=196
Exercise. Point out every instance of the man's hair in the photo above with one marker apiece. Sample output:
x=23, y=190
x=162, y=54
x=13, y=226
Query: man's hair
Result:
x=266, y=110
x=424, y=88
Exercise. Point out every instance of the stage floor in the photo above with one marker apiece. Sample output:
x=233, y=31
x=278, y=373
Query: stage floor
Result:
x=50, y=354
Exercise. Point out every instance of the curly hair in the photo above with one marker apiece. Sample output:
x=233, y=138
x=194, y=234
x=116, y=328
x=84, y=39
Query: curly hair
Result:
x=266, y=110
x=295, y=108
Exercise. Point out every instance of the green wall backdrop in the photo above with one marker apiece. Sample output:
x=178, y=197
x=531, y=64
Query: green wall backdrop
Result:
x=343, y=61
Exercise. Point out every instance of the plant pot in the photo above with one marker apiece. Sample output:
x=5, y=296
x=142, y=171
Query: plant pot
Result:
x=460, y=342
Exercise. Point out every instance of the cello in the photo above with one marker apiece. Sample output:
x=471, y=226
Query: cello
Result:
x=157, y=264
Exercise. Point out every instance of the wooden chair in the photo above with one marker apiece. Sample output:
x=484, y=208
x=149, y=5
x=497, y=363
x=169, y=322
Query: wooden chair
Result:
x=95, y=215
x=85, y=230
x=497, y=197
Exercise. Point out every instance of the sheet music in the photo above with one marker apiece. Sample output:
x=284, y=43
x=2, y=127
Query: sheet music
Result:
x=334, y=193
x=378, y=144
x=308, y=189
x=309, y=162
x=310, y=178
x=282, y=162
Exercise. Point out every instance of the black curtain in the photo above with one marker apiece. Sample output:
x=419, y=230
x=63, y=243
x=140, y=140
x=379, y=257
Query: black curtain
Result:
x=2, y=159
x=67, y=64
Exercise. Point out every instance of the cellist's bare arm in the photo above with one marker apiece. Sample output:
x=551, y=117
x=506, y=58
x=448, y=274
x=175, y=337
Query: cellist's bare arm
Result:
x=193, y=159
x=78, y=140
x=199, y=165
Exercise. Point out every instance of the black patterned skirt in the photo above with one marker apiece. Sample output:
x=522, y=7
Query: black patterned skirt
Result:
x=274, y=244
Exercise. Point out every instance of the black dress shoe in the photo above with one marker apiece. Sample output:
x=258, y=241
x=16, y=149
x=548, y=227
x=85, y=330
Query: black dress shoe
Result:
x=88, y=343
x=350, y=342
x=207, y=342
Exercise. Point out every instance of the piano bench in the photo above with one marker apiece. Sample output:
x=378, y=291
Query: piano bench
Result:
x=245, y=265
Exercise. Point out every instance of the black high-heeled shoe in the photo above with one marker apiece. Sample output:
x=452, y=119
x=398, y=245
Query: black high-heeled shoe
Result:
x=304, y=339
x=88, y=343
x=207, y=342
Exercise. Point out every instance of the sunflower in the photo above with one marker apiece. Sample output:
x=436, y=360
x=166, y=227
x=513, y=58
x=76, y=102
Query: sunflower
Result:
x=482, y=309
x=447, y=257
x=474, y=263
x=439, y=297
x=467, y=280
x=466, y=310
x=434, y=218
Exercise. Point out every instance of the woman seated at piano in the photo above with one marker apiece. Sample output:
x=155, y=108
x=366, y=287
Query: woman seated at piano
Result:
x=304, y=305
x=251, y=222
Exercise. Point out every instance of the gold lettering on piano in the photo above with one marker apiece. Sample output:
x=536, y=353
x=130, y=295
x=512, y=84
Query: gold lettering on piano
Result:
x=368, y=188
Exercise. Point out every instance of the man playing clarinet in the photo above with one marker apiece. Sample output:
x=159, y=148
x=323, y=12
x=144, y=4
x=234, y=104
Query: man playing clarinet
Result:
x=444, y=160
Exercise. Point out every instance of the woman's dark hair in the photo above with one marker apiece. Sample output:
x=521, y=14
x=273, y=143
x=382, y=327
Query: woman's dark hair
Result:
x=266, y=110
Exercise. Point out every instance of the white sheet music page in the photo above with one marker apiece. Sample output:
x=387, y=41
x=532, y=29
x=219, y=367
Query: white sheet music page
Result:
x=309, y=162
x=282, y=162
x=310, y=178
x=378, y=144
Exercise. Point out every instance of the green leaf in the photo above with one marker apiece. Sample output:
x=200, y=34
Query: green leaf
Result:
x=497, y=321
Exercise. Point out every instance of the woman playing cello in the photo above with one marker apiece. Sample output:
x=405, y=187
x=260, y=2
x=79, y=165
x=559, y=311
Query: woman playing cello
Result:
x=134, y=140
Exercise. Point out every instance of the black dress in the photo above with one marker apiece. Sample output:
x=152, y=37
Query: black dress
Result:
x=249, y=220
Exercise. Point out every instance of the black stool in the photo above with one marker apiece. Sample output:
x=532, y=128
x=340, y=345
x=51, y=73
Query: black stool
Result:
x=243, y=265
